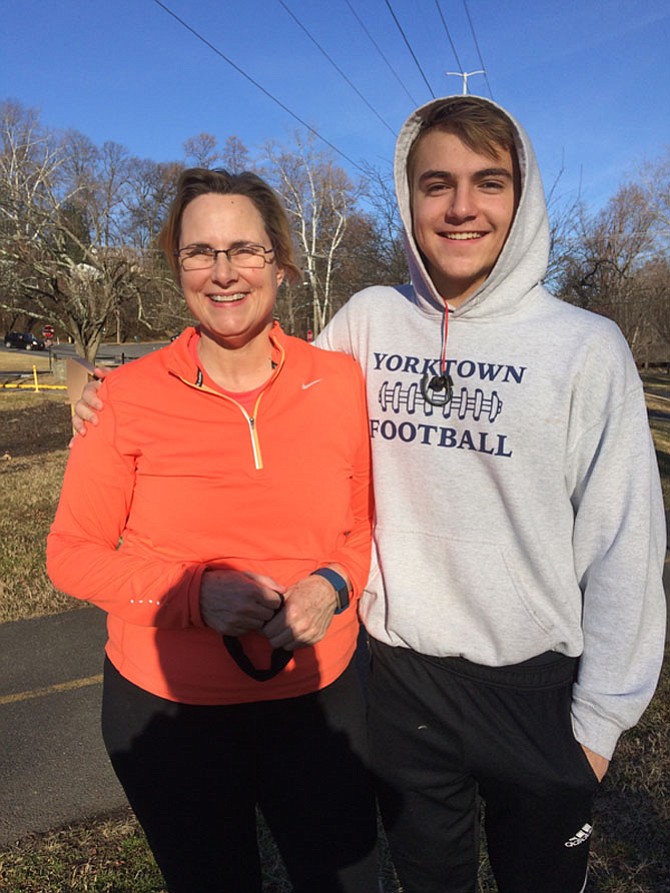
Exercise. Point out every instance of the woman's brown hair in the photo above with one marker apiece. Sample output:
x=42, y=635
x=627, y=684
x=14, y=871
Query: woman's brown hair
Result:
x=197, y=181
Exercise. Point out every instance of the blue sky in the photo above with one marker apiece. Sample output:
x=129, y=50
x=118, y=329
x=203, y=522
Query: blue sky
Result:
x=589, y=80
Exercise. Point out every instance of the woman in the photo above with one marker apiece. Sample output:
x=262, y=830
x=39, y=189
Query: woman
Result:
x=220, y=513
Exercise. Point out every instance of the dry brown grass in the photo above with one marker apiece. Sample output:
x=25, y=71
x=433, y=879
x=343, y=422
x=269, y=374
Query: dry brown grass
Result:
x=106, y=856
x=27, y=488
x=22, y=361
x=31, y=471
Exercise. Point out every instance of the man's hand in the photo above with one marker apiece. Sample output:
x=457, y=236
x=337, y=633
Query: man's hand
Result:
x=309, y=607
x=236, y=602
x=599, y=764
x=88, y=405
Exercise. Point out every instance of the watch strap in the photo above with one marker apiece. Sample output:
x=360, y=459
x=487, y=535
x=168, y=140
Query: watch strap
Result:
x=338, y=583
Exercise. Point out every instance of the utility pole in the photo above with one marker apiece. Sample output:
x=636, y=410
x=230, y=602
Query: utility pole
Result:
x=465, y=75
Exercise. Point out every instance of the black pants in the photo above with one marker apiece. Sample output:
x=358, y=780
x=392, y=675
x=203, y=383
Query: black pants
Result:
x=445, y=732
x=194, y=776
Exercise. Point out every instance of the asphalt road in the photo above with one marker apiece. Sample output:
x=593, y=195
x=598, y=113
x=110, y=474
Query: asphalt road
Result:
x=108, y=354
x=53, y=766
x=111, y=352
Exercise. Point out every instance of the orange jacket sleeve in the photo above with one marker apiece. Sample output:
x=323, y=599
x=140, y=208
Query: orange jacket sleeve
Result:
x=87, y=533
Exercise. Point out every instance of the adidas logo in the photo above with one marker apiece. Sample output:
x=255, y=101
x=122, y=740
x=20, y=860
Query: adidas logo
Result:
x=581, y=836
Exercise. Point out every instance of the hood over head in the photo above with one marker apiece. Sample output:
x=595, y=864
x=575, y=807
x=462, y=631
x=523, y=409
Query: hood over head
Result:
x=523, y=261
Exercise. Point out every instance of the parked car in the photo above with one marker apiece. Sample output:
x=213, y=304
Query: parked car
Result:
x=24, y=341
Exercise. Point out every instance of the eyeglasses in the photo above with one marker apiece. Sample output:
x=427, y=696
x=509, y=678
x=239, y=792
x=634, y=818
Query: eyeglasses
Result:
x=243, y=257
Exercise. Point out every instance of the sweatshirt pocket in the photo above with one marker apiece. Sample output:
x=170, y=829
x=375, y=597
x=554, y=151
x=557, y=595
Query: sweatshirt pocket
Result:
x=452, y=596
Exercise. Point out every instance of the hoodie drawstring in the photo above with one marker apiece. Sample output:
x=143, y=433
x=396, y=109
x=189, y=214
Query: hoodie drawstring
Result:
x=438, y=389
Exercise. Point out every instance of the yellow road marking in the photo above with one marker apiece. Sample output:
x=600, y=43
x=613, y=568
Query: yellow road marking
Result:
x=50, y=689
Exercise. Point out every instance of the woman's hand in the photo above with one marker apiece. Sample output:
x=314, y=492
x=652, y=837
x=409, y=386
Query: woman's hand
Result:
x=308, y=609
x=236, y=602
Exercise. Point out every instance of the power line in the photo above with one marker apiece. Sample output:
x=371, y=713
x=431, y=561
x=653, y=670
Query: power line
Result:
x=407, y=44
x=375, y=45
x=453, y=48
x=258, y=86
x=337, y=68
x=474, y=37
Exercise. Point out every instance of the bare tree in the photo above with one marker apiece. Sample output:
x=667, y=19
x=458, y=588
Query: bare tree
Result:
x=389, y=254
x=61, y=234
x=30, y=159
x=235, y=156
x=319, y=198
x=655, y=181
x=151, y=188
x=602, y=271
x=653, y=284
x=567, y=214
x=201, y=150
x=158, y=307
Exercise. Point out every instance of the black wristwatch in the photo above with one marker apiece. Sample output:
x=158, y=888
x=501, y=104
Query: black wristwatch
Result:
x=338, y=583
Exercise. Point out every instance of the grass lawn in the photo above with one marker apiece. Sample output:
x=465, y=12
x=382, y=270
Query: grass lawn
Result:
x=631, y=845
x=34, y=431
x=21, y=361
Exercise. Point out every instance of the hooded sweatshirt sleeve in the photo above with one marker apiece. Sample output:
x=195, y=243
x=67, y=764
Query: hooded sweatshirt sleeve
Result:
x=619, y=548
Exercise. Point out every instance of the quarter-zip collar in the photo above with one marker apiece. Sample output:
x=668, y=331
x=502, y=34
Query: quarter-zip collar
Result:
x=182, y=364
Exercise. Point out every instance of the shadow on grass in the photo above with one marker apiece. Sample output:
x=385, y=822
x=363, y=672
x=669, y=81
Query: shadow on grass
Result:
x=36, y=429
x=631, y=847
x=663, y=463
x=631, y=841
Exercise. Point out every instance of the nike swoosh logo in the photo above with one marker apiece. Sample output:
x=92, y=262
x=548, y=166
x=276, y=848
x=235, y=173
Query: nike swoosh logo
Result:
x=310, y=383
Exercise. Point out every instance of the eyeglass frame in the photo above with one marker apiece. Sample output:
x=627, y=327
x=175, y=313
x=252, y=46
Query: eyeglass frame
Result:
x=213, y=254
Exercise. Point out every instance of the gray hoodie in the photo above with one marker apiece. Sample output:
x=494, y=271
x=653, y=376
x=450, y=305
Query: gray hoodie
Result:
x=525, y=515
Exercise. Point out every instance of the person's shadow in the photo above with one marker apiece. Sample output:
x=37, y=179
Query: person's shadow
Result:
x=174, y=752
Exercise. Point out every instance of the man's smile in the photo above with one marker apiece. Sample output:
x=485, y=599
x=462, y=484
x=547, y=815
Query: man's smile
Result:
x=462, y=237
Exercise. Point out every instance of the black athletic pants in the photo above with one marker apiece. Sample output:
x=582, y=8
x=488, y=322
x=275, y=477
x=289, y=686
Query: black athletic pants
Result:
x=443, y=733
x=194, y=776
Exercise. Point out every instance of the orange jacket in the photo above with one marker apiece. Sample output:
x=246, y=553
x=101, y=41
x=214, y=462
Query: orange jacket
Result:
x=176, y=477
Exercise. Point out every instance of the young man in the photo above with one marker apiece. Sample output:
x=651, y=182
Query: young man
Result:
x=517, y=615
x=517, y=618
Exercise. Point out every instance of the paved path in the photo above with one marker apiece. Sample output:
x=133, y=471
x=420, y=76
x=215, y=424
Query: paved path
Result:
x=53, y=766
